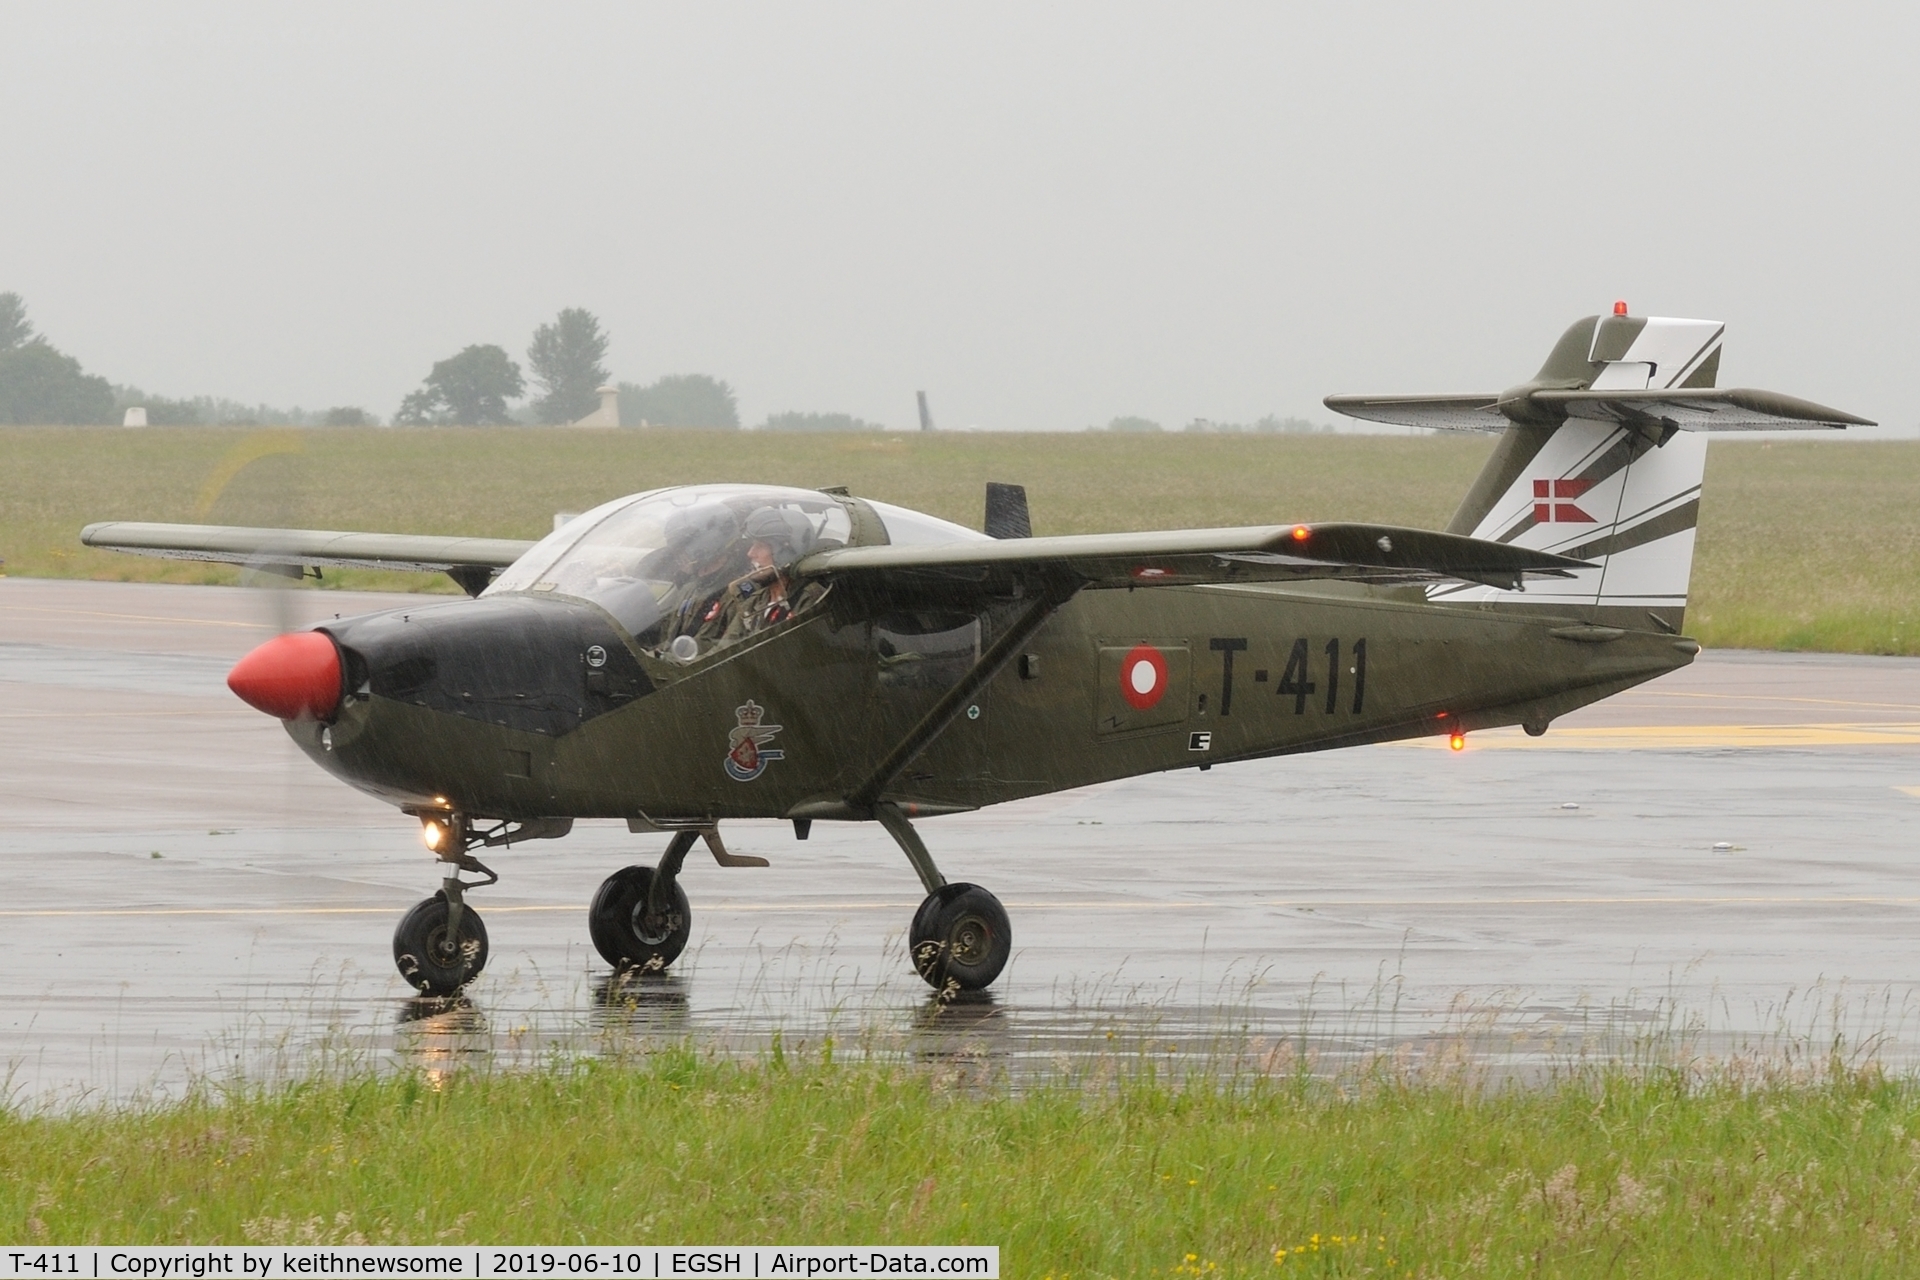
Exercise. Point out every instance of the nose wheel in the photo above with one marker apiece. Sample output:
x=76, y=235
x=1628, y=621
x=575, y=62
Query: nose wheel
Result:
x=441, y=945
x=436, y=952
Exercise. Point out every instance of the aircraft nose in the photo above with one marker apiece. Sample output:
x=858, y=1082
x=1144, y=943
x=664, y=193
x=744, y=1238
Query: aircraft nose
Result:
x=294, y=676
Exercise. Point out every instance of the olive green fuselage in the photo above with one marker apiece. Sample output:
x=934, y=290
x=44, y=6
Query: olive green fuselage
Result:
x=793, y=723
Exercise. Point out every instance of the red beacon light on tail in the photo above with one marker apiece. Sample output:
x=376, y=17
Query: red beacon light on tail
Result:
x=1620, y=307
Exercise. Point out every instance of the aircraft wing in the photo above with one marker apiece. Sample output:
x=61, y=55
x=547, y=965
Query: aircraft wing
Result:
x=1446, y=413
x=1701, y=409
x=467, y=560
x=1266, y=553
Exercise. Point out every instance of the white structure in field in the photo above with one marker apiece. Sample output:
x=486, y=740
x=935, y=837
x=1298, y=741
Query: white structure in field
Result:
x=136, y=417
x=608, y=414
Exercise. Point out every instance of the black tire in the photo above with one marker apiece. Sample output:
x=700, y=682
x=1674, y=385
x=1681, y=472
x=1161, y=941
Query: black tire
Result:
x=960, y=938
x=921, y=931
x=622, y=932
x=428, y=958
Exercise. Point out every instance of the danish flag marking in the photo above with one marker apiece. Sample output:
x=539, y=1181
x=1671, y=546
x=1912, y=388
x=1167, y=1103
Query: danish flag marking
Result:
x=1546, y=511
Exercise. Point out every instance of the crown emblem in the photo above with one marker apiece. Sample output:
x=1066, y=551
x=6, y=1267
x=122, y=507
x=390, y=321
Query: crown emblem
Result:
x=748, y=752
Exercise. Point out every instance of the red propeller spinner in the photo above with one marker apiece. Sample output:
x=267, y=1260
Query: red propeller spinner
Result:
x=295, y=676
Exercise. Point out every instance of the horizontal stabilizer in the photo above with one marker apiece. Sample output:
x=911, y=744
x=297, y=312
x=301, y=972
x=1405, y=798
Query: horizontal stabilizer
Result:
x=1442, y=413
x=1689, y=409
x=1700, y=409
x=301, y=548
x=1264, y=553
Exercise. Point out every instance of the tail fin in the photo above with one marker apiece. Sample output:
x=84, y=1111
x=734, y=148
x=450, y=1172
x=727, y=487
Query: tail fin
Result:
x=1601, y=460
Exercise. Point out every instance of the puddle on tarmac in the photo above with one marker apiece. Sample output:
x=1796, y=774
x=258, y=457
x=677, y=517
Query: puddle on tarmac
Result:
x=526, y=1019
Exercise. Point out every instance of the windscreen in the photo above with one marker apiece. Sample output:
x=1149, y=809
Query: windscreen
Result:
x=654, y=559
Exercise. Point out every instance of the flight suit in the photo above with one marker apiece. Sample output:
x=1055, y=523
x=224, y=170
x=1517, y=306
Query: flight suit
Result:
x=689, y=607
x=747, y=607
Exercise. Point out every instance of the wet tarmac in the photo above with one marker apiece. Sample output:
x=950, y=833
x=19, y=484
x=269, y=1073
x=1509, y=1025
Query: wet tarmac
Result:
x=1721, y=860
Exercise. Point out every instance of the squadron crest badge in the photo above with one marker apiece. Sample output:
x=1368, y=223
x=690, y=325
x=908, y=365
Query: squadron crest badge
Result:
x=748, y=754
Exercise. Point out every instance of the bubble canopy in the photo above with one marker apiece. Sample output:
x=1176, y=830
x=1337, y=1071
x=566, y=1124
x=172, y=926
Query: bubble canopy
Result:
x=643, y=557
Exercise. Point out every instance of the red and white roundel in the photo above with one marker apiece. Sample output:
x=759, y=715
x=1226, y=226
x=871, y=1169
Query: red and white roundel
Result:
x=1143, y=677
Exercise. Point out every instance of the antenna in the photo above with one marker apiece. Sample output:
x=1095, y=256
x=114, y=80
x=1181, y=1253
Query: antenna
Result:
x=926, y=414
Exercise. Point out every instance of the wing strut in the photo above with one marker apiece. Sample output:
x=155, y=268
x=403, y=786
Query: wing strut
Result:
x=1053, y=593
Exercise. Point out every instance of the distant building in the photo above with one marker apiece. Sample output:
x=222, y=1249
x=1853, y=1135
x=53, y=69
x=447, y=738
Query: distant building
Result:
x=607, y=415
x=136, y=417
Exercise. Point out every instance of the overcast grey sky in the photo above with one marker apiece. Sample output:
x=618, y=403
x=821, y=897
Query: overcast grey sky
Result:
x=1043, y=215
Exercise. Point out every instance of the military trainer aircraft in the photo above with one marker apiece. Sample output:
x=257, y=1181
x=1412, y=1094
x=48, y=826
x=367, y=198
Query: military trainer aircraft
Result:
x=695, y=654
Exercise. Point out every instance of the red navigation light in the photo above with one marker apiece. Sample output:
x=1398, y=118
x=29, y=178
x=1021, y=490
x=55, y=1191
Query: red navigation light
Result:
x=1620, y=307
x=1300, y=532
x=1458, y=742
x=295, y=676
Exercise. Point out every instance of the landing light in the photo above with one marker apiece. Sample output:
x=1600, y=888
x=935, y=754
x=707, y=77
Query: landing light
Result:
x=434, y=833
x=1457, y=742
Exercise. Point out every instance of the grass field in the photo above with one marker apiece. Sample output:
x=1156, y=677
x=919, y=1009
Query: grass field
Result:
x=1607, y=1172
x=1803, y=545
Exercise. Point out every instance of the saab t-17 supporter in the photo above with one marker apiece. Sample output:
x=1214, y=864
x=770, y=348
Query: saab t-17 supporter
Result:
x=983, y=669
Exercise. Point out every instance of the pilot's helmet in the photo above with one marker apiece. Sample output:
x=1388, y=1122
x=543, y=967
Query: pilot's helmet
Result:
x=699, y=533
x=787, y=531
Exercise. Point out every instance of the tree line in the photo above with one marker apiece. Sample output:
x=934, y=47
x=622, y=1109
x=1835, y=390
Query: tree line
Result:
x=480, y=385
x=40, y=385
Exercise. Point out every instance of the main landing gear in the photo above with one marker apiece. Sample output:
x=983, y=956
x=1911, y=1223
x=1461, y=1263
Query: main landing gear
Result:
x=959, y=940
x=639, y=920
x=960, y=937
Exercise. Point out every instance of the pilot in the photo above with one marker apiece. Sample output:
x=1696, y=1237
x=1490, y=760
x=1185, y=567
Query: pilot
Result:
x=765, y=595
x=703, y=557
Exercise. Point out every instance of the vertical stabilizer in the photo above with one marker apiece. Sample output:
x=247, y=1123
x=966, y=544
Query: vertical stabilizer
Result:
x=1625, y=495
x=1600, y=459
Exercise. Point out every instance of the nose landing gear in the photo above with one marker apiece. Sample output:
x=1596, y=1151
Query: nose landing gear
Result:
x=441, y=945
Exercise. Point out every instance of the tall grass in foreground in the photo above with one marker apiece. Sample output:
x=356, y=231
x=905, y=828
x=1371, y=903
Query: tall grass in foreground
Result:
x=1802, y=545
x=1610, y=1170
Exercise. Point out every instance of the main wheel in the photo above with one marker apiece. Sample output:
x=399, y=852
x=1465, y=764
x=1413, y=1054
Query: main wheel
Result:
x=430, y=957
x=960, y=936
x=625, y=935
